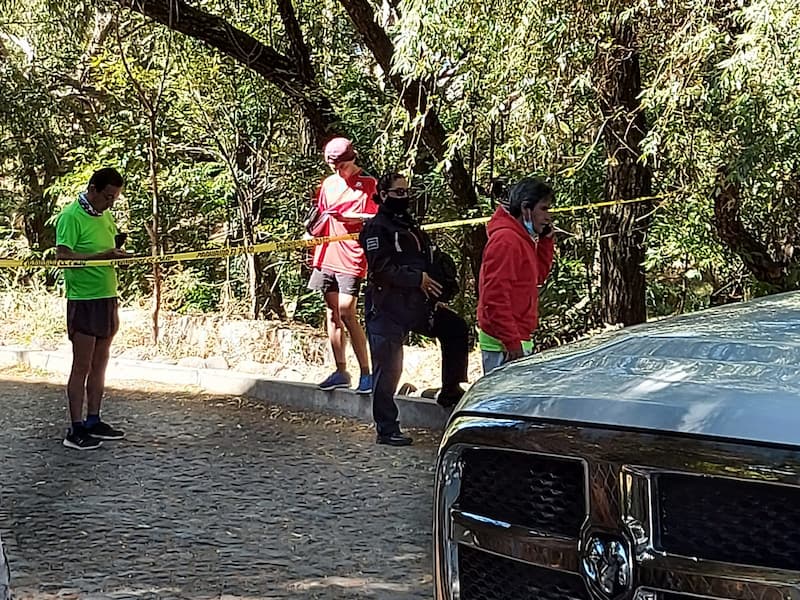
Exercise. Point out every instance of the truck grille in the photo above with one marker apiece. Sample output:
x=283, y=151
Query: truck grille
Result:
x=728, y=520
x=549, y=510
x=485, y=576
x=538, y=492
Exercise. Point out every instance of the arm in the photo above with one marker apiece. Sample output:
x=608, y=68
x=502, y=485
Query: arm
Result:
x=67, y=236
x=367, y=209
x=544, y=258
x=350, y=216
x=316, y=222
x=497, y=294
x=66, y=253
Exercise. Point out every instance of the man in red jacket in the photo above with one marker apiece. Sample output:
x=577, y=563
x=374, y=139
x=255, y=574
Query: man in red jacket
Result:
x=516, y=261
x=346, y=200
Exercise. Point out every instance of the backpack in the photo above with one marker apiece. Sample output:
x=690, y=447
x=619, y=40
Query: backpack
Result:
x=314, y=222
x=443, y=269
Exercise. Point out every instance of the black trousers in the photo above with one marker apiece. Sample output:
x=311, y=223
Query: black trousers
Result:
x=386, y=347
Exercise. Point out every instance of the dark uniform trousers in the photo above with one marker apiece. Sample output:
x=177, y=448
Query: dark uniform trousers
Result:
x=386, y=339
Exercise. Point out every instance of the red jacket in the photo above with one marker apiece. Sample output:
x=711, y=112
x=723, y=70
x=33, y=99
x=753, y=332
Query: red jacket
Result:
x=352, y=195
x=513, y=268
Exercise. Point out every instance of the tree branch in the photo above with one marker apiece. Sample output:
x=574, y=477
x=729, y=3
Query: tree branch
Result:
x=297, y=43
x=103, y=23
x=216, y=32
x=287, y=75
x=732, y=232
x=414, y=96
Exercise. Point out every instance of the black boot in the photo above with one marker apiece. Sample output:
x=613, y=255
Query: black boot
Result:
x=395, y=439
x=449, y=398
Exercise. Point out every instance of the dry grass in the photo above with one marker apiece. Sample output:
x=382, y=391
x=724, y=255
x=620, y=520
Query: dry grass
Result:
x=32, y=318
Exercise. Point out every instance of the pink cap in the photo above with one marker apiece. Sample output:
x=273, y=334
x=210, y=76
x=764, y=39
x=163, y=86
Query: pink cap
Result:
x=339, y=150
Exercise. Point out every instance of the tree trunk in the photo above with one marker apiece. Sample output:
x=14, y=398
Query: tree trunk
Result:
x=36, y=211
x=255, y=286
x=154, y=231
x=754, y=254
x=264, y=300
x=414, y=95
x=623, y=228
x=264, y=295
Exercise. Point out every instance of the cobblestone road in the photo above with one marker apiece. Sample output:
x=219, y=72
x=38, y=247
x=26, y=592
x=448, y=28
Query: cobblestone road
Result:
x=210, y=497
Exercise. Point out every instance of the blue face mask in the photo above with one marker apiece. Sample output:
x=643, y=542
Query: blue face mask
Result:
x=528, y=225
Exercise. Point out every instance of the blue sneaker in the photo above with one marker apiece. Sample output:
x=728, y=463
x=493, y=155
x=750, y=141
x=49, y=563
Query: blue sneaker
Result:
x=334, y=381
x=364, y=385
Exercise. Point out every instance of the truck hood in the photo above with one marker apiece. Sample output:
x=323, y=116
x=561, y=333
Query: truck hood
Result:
x=729, y=372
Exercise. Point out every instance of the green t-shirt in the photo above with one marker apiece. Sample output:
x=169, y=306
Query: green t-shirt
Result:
x=82, y=233
x=492, y=344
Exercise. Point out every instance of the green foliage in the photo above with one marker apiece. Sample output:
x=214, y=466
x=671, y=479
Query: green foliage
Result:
x=187, y=291
x=512, y=82
x=722, y=101
x=311, y=309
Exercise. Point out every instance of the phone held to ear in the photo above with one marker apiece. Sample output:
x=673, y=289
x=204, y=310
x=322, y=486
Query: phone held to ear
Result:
x=547, y=229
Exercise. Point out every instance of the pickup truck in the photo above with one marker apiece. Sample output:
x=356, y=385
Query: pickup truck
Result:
x=657, y=462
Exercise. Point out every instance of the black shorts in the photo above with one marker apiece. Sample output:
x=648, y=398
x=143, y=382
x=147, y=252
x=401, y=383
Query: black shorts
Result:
x=327, y=281
x=95, y=318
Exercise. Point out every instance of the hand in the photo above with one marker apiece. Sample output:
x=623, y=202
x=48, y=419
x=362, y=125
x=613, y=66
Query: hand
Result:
x=514, y=354
x=548, y=230
x=430, y=287
x=352, y=218
x=114, y=253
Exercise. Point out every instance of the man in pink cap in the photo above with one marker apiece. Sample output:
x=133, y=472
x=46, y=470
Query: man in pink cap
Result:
x=345, y=201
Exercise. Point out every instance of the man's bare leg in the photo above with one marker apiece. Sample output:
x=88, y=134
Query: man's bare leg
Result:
x=348, y=315
x=336, y=335
x=96, y=381
x=82, y=352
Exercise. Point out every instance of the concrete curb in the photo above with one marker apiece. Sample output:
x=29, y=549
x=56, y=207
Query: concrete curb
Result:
x=414, y=412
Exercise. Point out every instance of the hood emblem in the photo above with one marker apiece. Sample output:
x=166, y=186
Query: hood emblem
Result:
x=606, y=566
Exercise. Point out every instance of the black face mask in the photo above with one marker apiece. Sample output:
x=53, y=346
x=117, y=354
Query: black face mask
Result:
x=396, y=205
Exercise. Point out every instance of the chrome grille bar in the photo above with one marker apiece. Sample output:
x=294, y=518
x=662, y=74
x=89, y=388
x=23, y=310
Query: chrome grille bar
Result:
x=542, y=550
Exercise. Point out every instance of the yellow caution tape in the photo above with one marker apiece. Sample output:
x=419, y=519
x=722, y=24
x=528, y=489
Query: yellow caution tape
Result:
x=481, y=220
x=609, y=203
x=276, y=246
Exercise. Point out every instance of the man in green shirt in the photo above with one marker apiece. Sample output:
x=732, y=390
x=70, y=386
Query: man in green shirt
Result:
x=85, y=230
